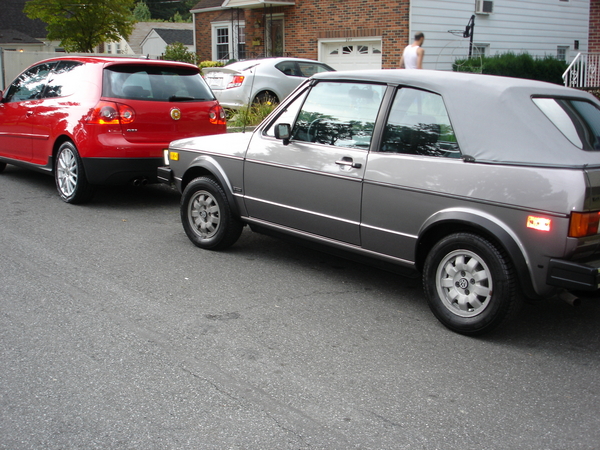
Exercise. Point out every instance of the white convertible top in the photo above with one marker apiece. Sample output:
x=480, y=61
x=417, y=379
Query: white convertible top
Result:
x=494, y=118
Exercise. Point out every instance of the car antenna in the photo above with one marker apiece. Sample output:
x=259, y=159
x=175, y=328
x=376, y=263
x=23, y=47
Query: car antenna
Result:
x=249, y=100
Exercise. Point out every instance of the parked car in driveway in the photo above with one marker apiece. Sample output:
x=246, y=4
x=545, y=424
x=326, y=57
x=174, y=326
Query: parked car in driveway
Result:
x=487, y=186
x=259, y=80
x=93, y=121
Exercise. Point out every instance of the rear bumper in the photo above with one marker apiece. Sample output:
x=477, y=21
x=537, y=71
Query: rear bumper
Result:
x=580, y=275
x=116, y=171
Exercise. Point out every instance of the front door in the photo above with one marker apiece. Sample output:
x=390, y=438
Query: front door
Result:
x=319, y=173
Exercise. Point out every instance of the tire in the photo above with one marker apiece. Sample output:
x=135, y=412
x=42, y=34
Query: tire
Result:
x=2, y=166
x=265, y=97
x=469, y=284
x=69, y=175
x=207, y=217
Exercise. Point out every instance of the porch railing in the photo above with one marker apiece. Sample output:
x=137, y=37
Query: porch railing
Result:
x=583, y=72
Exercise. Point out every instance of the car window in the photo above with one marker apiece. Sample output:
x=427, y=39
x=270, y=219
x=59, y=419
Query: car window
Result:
x=30, y=84
x=64, y=79
x=289, y=68
x=340, y=114
x=578, y=120
x=287, y=115
x=155, y=83
x=418, y=124
x=309, y=69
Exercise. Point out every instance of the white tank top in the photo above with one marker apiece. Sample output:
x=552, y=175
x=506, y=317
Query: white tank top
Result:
x=410, y=57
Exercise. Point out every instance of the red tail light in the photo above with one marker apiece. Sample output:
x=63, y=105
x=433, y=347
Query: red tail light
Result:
x=109, y=113
x=236, y=81
x=584, y=224
x=217, y=116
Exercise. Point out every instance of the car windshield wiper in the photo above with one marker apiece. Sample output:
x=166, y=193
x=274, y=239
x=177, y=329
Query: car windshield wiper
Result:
x=177, y=98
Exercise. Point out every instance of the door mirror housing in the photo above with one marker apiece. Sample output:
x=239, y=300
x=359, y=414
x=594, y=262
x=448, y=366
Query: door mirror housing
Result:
x=283, y=131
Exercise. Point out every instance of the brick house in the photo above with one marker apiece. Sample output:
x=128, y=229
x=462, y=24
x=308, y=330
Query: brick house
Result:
x=373, y=33
x=351, y=33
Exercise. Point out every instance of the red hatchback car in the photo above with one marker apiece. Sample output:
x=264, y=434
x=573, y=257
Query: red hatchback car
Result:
x=99, y=121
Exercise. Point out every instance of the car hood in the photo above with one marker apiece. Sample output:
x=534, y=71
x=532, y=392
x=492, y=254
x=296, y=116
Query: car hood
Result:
x=230, y=144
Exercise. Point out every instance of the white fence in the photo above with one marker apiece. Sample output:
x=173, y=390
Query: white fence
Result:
x=583, y=72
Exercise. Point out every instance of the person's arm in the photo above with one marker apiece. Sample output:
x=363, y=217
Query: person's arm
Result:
x=420, y=54
x=402, y=61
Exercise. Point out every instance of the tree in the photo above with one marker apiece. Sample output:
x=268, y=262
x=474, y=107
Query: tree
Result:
x=141, y=12
x=179, y=52
x=81, y=25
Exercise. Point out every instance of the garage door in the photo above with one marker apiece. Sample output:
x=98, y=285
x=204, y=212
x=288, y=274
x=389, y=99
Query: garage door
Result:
x=352, y=55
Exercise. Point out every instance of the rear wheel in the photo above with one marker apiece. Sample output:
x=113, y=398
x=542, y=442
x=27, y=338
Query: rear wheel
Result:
x=69, y=175
x=469, y=283
x=2, y=166
x=265, y=98
x=207, y=217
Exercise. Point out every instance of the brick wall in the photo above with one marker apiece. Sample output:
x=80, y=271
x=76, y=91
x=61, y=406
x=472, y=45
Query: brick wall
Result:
x=310, y=20
x=594, y=37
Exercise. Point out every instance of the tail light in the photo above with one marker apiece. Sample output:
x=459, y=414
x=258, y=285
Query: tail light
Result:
x=236, y=81
x=217, y=116
x=109, y=113
x=584, y=224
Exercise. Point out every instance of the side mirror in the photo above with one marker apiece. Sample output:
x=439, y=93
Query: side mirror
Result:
x=283, y=131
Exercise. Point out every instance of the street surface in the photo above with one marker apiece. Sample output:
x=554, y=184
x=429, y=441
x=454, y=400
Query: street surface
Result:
x=117, y=333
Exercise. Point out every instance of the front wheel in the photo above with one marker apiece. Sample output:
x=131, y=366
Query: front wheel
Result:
x=207, y=217
x=71, y=182
x=469, y=284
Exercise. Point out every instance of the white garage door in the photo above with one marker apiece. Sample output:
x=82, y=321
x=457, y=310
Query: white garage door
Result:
x=352, y=55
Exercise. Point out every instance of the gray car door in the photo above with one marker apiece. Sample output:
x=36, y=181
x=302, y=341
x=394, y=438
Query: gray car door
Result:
x=314, y=183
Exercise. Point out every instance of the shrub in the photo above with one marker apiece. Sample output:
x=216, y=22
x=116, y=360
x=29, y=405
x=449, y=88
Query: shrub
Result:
x=179, y=52
x=204, y=64
x=252, y=116
x=523, y=65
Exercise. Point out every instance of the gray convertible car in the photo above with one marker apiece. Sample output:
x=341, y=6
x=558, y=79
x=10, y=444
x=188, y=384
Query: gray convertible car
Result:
x=487, y=186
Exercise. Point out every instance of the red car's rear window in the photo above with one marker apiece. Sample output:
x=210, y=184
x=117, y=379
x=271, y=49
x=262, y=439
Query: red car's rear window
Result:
x=154, y=83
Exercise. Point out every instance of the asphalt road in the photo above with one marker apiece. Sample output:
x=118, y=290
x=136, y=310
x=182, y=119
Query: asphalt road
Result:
x=117, y=333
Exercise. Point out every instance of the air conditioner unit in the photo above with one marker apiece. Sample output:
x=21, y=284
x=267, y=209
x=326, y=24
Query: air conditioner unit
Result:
x=484, y=6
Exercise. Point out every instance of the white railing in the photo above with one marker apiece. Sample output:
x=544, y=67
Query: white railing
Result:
x=583, y=72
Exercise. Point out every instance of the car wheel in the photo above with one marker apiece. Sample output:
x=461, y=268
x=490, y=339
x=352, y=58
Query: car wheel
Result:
x=71, y=182
x=207, y=217
x=469, y=284
x=2, y=166
x=265, y=98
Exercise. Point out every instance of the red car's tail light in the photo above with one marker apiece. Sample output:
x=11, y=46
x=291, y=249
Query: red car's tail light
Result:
x=109, y=113
x=217, y=116
x=584, y=224
x=236, y=81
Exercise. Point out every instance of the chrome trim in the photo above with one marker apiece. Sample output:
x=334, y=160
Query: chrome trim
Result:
x=326, y=216
x=387, y=230
x=331, y=242
x=357, y=178
x=465, y=198
x=205, y=152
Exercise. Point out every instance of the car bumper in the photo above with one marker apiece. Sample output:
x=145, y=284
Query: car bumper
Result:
x=165, y=175
x=115, y=171
x=580, y=275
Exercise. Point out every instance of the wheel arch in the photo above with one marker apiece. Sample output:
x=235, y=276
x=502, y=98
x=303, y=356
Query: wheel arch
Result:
x=268, y=91
x=452, y=221
x=60, y=140
x=206, y=166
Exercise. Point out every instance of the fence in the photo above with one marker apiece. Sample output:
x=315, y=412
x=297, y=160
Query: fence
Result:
x=583, y=72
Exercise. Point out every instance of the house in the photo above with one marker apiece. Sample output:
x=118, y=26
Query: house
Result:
x=140, y=33
x=22, y=34
x=157, y=40
x=373, y=33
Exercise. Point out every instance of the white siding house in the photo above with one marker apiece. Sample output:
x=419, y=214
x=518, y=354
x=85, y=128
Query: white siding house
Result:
x=539, y=27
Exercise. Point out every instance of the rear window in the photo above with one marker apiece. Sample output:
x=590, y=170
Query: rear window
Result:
x=578, y=120
x=154, y=83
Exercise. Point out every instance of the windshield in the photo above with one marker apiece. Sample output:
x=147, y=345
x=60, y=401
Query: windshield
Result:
x=154, y=83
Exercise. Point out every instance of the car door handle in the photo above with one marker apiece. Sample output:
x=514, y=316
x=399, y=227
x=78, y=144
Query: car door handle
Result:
x=29, y=114
x=347, y=161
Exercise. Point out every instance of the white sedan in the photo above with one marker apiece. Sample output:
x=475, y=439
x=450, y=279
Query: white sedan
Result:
x=259, y=80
